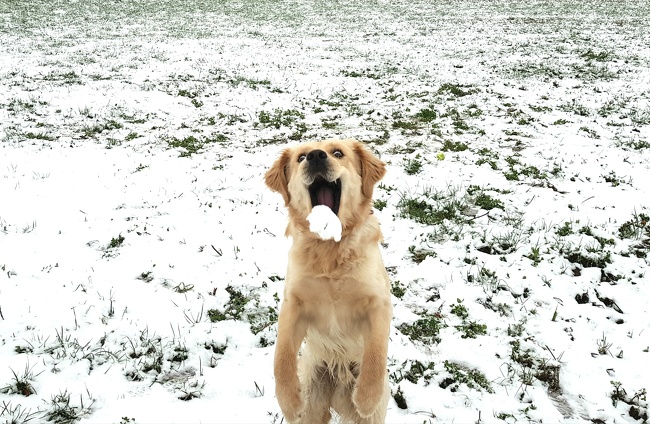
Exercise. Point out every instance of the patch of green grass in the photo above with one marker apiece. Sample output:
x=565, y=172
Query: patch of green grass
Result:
x=116, y=242
x=425, y=330
x=534, y=255
x=536, y=69
x=565, y=230
x=63, y=409
x=590, y=133
x=39, y=136
x=426, y=115
x=70, y=77
x=22, y=384
x=329, y=123
x=247, y=307
x=591, y=72
x=635, y=227
x=471, y=329
x=516, y=169
x=416, y=371
x=179, y=354
x=516, y=133
x=601, y=56
x=262, y=319
x=457, y=120
x=483, y=277
x=131, y=136
x=398, y=289
x=19, y=105
x=522, y=357
x=419, y=255
x=380, y=204
x=279, y=118
x=23, y=349
x=410, y=147
x=459, y=374
x=540, y=109
x=638, y=401
x=423, y=212
x=575, y=108
x=501, y=243
x=191, y=144
x=457, y=90
x=459, y=310
x=487, y=156
x=400, y=401
x=633, y=144
x=363, y=73
x=89, y=131
x=534, y=367
x=613, y=106
x=234, y=307
x=586, y=230
x=453, y=146
x=146, y=276
x=188, y=94
x=405, y=125
x=561, y=122
x=215, y=315
x=614, y=179
x=594, y=259
x=253, y=83
x=301, y=129
x=640, y=116
x=413, y=166
x=549, y=374
x=487, y=202
x=382, y=139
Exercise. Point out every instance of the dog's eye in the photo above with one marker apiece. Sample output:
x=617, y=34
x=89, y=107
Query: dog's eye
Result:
x=301, y=158
x=338, y=154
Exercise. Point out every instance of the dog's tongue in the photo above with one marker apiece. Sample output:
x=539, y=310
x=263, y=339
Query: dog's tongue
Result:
x=325, y=196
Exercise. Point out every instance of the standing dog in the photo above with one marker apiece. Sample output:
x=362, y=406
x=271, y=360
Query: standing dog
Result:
x=337, y=294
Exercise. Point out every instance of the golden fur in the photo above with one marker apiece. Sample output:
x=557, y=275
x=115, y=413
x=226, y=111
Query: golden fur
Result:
x=337, y=294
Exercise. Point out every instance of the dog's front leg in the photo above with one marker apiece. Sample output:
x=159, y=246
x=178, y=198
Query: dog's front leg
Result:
x=371, y=384
x=291, y=332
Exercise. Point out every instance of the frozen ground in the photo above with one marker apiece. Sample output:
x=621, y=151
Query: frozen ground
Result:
x=142, y=257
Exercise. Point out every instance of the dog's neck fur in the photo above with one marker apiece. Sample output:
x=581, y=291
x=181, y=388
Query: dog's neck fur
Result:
x=328, y=257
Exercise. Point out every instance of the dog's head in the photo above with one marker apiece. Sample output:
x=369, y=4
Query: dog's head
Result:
x=339, y=174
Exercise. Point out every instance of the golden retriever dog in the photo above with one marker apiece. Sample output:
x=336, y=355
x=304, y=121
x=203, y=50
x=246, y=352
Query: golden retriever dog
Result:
x=337, y=294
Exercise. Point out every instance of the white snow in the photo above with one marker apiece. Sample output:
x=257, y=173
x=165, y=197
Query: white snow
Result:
x=325, y=223
x=142, y=258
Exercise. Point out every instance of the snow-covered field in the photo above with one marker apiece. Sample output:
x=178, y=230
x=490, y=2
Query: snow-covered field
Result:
x=143, y=258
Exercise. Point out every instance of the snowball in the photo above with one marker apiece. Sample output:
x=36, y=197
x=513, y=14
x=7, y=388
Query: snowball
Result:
x=325, y=223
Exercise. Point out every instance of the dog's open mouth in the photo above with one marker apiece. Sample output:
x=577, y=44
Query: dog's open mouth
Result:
x=323, y=192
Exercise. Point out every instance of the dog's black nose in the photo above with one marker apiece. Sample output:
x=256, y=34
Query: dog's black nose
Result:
x=317, y=154
x=317, y=160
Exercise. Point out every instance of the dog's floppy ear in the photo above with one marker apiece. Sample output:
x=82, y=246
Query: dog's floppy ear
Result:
x=372, y=169
x=277, y=178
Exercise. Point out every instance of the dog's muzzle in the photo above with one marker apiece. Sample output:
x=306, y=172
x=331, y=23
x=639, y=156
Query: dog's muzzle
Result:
x=317, y=162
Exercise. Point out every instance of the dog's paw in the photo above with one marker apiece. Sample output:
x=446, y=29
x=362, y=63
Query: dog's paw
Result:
x=290, y=400
x=367, y=397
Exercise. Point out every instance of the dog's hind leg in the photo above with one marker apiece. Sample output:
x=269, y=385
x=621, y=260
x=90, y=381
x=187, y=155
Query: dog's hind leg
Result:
x=318, y=388
x=343, y=405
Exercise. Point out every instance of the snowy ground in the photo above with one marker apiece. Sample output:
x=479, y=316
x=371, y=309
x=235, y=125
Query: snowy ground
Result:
x=142, y=257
